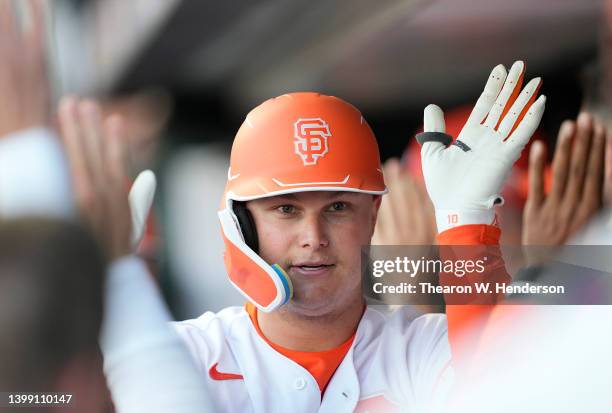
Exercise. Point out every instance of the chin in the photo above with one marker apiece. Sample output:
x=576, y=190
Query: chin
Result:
x=312, y=308
x=319, y=305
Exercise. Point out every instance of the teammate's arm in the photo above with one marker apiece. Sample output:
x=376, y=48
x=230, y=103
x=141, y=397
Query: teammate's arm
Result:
x=464, y=177
x=146, y=364
x=148, y=368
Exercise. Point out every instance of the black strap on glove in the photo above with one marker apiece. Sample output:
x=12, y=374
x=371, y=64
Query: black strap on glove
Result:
x=434, y=137
x=441, y=137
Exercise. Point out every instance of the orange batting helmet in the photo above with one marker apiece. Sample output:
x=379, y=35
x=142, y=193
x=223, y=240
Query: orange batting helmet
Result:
x=293, y=143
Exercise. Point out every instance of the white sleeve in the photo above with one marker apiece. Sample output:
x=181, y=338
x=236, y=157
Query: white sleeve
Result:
x=426, y=371
x=435, y=375
x=34, y=176
x=148, y=369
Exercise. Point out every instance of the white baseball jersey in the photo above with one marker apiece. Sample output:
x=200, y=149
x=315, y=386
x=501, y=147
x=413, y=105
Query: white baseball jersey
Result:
x=394, y=364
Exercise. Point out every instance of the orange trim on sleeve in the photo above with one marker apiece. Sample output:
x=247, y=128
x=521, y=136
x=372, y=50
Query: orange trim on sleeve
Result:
x=467, y=322
x=474, y=234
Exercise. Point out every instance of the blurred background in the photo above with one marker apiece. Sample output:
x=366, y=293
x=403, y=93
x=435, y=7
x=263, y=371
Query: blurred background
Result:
x=186, y=72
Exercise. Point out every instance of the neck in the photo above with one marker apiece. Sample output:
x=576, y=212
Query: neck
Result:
x=288, y=328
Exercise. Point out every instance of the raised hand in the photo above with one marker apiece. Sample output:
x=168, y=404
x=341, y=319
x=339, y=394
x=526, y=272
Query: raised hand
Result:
x=406, y=216
x=96, y=150
x=24, y=101
x=577, y=182
x=464, y=178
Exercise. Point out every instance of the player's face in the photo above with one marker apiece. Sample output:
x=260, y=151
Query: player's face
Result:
x=317, y=238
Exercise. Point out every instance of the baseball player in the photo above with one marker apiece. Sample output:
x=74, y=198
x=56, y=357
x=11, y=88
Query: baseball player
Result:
x=303, y=191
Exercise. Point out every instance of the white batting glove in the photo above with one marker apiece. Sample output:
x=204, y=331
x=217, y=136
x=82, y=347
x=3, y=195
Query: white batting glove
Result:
x=140, y=200
x=464, y=179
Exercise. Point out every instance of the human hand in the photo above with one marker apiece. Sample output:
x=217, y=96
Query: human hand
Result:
x=577, y=182
x=96, y=150
x=24, y=101
x=464, y=179
x=607, y=188
x=406, y=216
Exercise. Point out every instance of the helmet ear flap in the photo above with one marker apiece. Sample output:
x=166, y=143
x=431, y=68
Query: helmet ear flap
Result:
x=247, y=225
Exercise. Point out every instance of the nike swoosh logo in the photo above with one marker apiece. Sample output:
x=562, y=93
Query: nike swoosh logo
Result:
x=217, y=375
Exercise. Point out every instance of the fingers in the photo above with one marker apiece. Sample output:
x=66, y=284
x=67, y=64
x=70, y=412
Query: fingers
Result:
x=433, y=121
x=111, y=174
x=116, y=154
x=561, y=160
x=9, y=56
x=72, y=137
x=97, y=157
x=406, y=216
x=91, y=123
x=537, y=162
x=417, y=218
x=392, y=170
x=25, y=35
x=410, y=202
x=526, y=128
x=580, y=154
x=508, y=94
x=82, y=135
x=421, y=211
x=519, y=107
x=400, y=218
x=383, y=222
x=35, y=33
x=608, y=170
x=34, y=61
x=8, y=25
x=487, y=98
x=592, y=187
x=23, y=76
x=395, y=196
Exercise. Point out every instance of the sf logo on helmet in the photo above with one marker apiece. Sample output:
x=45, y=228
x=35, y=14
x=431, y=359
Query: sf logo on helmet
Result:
x=311, y=139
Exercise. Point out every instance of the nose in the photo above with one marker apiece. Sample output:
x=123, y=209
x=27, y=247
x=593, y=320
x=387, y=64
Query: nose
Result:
x=313, y=232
